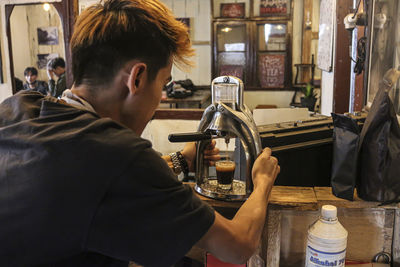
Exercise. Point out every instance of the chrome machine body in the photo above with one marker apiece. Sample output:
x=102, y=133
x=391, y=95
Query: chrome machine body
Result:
x=227, y=117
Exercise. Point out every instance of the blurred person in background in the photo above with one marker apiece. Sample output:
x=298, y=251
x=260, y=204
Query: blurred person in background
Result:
x=56, y=67
x=32, y=83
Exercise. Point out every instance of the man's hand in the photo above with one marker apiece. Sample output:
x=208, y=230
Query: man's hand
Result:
x=211, y=154
x=265, y=168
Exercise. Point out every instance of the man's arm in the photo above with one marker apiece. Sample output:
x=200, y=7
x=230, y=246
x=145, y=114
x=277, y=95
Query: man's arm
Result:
x=61, y=85
x=236, y=240
x=52, y=87
x=52, y=83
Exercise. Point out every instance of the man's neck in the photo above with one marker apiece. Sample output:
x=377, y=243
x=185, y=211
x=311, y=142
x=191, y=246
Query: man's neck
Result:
x=115, y=101
x=104, y=102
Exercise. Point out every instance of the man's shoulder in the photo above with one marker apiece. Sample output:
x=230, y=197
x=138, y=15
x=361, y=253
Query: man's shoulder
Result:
x=36, y=112
x=80, y=124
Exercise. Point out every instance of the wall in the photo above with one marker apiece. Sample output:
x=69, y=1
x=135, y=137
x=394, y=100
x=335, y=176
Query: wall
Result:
x=279, y=98
x=21, y=44
x=328, y=77
x=297, y=34
x=199, y=12
x=3, y=86
x=2, y=55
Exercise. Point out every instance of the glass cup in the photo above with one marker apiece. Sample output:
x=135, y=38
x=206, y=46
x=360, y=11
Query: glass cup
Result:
x=225, y=171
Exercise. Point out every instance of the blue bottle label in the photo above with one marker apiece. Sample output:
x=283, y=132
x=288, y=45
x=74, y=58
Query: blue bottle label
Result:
x=317, y=258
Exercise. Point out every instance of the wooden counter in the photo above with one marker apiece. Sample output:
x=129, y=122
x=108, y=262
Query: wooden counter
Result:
x=198, y=98
x=282, y=197
x=356, y=215
x=303, y=198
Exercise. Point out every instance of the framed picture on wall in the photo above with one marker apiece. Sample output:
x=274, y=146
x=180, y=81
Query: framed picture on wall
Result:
x=232, y=10
x=47, y=35
x=271, y=70
x=274, y=8
x=44, y=58
x=186, y=21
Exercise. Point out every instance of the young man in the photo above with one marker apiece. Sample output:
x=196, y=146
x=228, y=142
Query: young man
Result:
x=56, y=67
x=79, y=187
x=32, y=83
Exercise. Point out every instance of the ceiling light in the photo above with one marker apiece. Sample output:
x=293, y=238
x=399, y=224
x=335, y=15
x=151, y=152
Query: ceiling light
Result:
x=46, y=7
x=226, y=29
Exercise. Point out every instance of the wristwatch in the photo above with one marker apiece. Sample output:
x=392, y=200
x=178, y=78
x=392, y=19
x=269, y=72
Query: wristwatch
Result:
x=176, y=163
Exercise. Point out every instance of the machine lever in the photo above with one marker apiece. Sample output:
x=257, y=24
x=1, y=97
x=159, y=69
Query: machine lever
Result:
x=189, y=137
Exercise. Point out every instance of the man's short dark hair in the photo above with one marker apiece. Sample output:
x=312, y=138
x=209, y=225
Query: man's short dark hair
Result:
x=31, y=70
x=56, y=62
x=107, y=36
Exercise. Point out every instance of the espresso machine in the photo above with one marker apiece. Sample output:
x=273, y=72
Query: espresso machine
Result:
x=227, y=117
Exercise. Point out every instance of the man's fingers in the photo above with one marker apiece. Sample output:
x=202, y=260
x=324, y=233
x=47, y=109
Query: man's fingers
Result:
x=213, y=157
x=211, y=151
x=277, y=170
x=273, y=159
x=211, y=145
x=267, y=152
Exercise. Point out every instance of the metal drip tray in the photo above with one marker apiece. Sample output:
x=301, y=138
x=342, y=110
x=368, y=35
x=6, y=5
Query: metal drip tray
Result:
x=210, y=189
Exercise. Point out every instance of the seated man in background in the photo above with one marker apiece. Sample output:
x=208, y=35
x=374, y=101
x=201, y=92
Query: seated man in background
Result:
x=56, y=67
x=32, y=83
x=79, y=187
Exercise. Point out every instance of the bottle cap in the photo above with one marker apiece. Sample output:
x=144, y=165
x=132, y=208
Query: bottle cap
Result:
x=329, y=212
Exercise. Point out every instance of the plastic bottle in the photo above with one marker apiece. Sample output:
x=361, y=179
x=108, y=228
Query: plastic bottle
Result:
x=327, y=240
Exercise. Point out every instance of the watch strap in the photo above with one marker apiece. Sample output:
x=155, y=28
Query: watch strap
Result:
x=175, y=163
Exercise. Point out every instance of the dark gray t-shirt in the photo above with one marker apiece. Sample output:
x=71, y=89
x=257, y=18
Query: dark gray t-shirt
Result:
x=79, y=190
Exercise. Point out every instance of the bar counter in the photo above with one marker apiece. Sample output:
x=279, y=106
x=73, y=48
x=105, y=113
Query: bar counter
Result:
x=372, y=228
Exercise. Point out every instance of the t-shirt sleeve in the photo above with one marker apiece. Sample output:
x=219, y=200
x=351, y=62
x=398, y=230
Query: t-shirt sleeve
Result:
x=148, y=216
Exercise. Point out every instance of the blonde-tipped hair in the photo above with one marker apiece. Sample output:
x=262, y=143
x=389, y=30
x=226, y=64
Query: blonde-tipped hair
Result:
x=108, y=35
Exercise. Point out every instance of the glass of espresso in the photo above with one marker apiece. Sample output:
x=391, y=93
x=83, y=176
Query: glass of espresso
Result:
x=225, y=171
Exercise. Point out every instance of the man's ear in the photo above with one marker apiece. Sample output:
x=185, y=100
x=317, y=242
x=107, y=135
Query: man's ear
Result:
x=137, y=77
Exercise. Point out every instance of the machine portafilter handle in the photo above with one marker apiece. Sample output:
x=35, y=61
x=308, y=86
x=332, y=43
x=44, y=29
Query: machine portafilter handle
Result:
x=189, y=137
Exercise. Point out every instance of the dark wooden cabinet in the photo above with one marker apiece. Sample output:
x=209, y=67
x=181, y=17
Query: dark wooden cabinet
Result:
x=254, y=48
